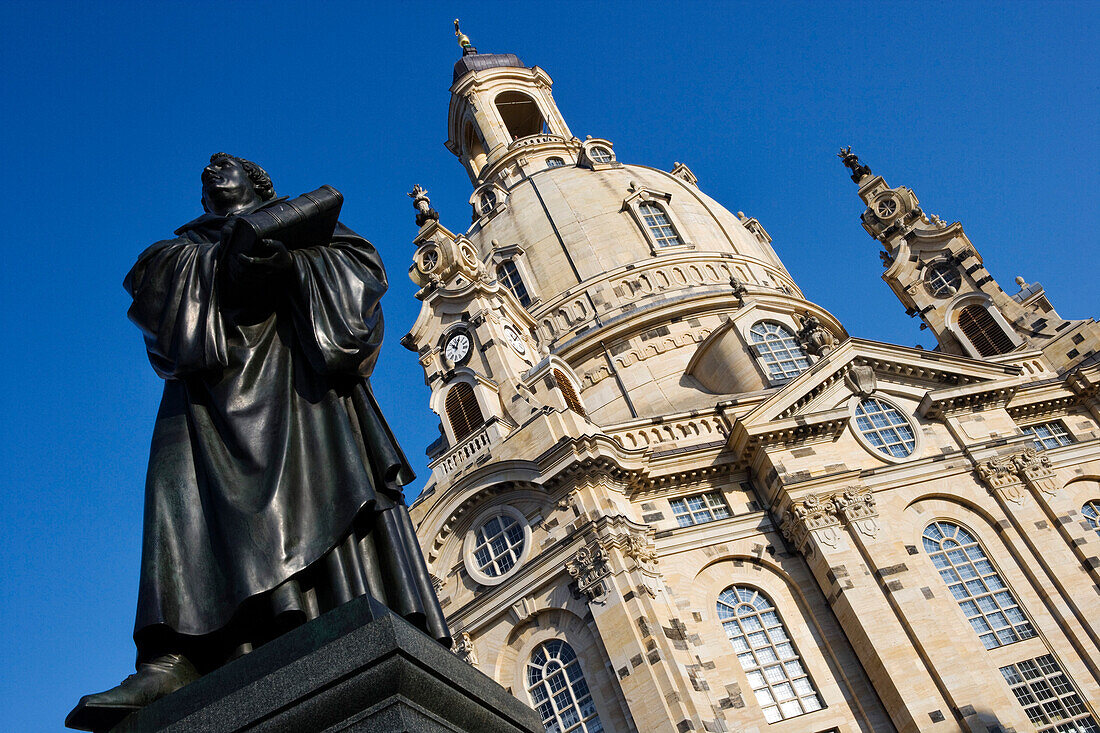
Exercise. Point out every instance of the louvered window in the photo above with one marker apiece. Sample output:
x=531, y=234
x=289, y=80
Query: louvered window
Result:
x=983, y=331
x=508, y=273
x=463, y=412
x=571, y=400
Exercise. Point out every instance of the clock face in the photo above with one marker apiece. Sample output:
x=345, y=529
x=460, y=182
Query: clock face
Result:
x=458, y=348
x=514, y=340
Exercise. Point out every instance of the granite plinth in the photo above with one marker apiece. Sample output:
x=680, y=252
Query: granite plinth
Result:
x=356, y=668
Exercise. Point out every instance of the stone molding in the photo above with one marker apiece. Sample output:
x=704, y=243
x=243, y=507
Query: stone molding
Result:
x=1010, y=476
x=821, y=516
x=589, y=568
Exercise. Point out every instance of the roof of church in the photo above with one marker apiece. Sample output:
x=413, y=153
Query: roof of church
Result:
x=481, y=61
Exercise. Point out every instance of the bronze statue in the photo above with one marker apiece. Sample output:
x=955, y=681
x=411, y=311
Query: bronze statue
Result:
x=274, y=485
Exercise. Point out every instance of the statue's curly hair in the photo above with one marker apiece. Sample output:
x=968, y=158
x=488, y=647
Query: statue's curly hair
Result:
x=265, y=189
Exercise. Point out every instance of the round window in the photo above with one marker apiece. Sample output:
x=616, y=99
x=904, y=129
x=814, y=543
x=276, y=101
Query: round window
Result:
x=943, y=279
x=882, y=426
x=498, y=543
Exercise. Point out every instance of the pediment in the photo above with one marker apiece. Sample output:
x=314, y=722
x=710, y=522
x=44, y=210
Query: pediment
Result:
x=942, y=382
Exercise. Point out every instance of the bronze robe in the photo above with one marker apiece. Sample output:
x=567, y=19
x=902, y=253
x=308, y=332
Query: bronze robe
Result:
x=274, y=481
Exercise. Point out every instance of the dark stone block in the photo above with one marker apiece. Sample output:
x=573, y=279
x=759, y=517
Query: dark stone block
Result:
x=357, y=668
x=936, y=716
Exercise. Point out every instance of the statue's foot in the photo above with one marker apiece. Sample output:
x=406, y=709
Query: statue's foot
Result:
x=152, y=681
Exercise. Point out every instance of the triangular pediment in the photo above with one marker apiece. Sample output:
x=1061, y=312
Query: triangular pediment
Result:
x=942, y=382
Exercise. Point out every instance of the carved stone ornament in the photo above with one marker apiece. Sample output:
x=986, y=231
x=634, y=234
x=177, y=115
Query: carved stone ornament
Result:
x=739, y=289
x=641, y=551
x=589, y=567
x=423, y=206
x=463, y=648
x=808, y=518
x=861, y=380
x=814, y=337
x=1010, y=475
x=820, y=517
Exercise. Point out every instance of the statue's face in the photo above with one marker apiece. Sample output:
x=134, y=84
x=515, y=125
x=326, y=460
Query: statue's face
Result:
x=226, y=187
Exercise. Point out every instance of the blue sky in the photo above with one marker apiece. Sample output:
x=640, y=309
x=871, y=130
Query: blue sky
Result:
x=987, y=111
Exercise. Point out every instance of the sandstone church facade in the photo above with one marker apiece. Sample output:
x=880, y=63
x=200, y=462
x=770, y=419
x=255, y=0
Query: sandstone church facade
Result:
x=673, y=494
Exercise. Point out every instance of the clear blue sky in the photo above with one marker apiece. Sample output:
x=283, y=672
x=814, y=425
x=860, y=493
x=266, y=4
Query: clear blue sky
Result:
x=987, y=111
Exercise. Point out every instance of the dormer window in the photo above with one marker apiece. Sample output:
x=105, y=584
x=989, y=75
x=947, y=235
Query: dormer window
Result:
x=779, y=351
x=508, y=274
x=664, y=234
x=487, y=202
x=600, y=154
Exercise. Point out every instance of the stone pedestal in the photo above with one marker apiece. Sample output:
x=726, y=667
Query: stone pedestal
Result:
x=357, y=668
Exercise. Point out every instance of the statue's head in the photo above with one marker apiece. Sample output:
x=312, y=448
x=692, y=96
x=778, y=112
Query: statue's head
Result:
x=231, y=184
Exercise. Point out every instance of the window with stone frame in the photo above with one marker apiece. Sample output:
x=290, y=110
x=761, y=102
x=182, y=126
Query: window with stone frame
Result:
x=660, y=226
x=1048, y=696
x=699, y=509
x=555, y=162
x=986, y=601
x=498, y=544
x=463, y=412
x=982, y=330
x=778, y=679
x=558, y=690
x=1091, y=510
x=508, y=273
x=1048, y=434
x=884, y=426
x=487, y=201
x=600, y=154
x=779, y=350
x=572, y=401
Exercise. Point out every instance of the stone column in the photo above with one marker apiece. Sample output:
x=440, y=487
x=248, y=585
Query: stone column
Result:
x=616, y=572
x=1024, y=484
x=863, y=575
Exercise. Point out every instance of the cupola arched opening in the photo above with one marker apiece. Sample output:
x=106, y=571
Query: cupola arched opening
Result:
x=463, y=412
x=474, y=148
x=520, y=114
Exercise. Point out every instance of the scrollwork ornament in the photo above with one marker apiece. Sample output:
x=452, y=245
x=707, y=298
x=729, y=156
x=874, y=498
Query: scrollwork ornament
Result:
x=463, y=648
x=588, y=568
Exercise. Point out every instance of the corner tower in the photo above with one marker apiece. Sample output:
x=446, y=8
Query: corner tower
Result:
x=938, y=275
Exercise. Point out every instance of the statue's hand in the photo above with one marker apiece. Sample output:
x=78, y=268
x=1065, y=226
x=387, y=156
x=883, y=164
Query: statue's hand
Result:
x=271, y=261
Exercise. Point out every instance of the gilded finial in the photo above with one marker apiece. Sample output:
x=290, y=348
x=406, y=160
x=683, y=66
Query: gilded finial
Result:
x=464, y=41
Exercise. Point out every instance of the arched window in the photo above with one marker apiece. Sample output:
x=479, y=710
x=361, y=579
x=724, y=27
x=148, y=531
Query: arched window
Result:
x=520, y=114
x=986, y=601
x=555, y=162
x=782, y=686
x=777, y=347
x=508, y=273
x=664, y=234
x=1091, y=510
x=884, y=427
x=498, y=544
x=600, y=154
x=559, y=691
x=943, y=279
x=983, y=331
x=463, y=412
x=487, y=201
x=571, y=400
